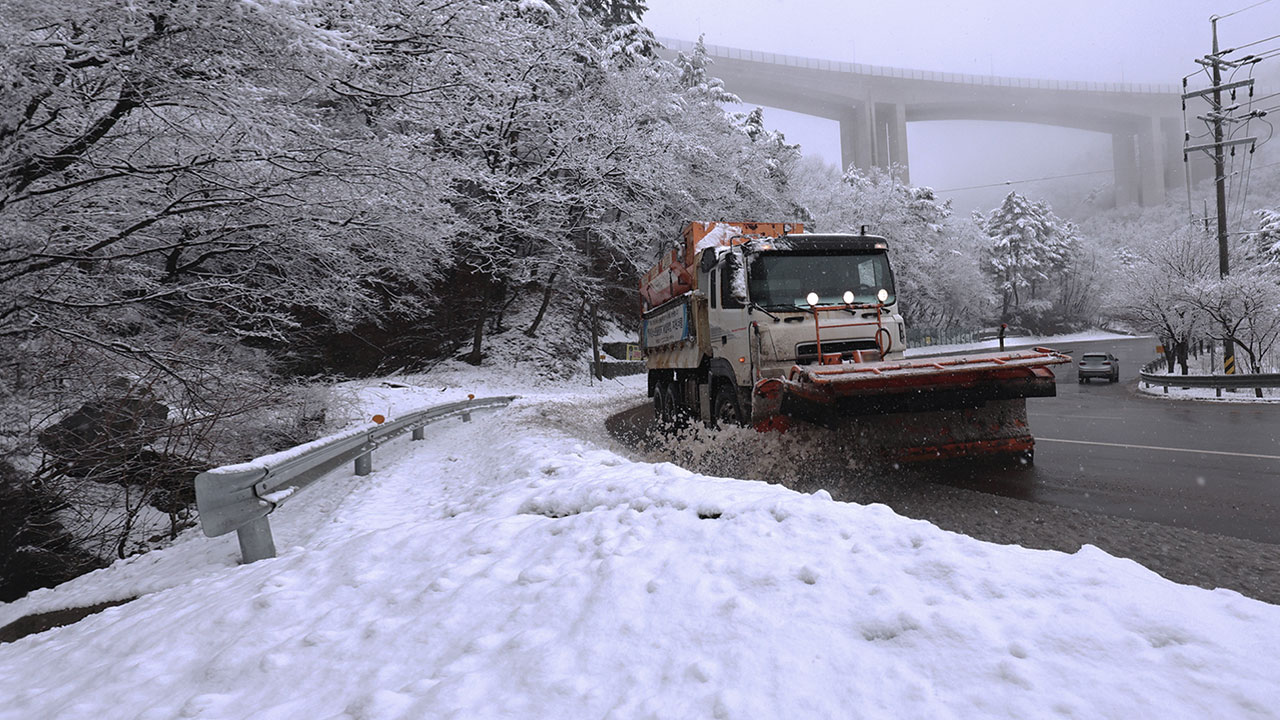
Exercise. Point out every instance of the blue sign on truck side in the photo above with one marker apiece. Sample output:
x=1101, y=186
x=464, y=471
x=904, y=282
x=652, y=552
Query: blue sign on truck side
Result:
x=667, y=326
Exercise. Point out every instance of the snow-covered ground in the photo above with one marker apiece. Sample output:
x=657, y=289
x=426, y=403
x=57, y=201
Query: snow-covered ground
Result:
x=521, y=566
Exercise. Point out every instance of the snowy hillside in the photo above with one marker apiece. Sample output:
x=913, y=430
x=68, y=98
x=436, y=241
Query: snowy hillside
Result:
x=521, y=566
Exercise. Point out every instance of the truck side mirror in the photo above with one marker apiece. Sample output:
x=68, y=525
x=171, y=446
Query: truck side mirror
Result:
x=708, y=260
x=731, y=286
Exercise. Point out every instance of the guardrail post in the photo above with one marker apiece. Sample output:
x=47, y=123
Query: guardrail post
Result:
x=364, y=462
x=256, y=542
x=418, y=433
x=466, y=417
x=1218, y=391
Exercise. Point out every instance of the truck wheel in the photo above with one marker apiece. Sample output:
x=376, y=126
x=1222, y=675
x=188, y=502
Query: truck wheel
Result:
x=661, y=405
x=679, y=411
x=724, y=409
x=668, y=409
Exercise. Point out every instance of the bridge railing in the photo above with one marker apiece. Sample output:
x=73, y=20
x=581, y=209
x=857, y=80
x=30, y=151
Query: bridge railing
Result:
x=912, y=74
x=240, y=497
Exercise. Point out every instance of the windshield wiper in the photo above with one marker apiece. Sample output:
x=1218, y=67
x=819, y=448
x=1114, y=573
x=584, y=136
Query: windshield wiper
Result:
x=761, y=309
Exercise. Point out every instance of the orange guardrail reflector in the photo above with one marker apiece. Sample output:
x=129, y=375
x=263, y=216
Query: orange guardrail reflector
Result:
x=470, y=396
x=379, y=419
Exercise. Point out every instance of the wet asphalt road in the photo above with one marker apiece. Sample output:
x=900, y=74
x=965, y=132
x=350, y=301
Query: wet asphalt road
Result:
x=1107, y=448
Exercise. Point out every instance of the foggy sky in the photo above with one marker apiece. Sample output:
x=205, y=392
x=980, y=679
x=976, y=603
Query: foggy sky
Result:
x=1143, y=41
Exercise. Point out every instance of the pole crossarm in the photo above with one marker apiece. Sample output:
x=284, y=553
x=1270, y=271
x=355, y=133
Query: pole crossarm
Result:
x=1224, y=143
x=1217, y=89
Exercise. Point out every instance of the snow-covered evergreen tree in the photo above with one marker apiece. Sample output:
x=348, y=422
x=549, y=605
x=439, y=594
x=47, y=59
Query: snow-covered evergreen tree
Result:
x=696, y=77
x=1264, y=243
x=1028, y=249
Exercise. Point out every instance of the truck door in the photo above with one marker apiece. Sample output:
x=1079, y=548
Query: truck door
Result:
x=734, y=341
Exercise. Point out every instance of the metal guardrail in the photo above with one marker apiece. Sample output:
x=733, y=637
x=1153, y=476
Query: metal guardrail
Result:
x=240, y=497
x=1151, y=376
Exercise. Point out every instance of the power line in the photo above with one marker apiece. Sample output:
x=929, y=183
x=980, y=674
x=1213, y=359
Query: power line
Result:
x=1244, y=194
x=1014, y=182
x=1237, y=12
x=1263, y=97
x=1267, y=165
x=1263, y=55
x=1255, y=42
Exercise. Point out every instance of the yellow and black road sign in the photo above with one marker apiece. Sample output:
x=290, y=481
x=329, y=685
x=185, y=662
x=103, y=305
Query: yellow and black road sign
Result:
x=1229, y=364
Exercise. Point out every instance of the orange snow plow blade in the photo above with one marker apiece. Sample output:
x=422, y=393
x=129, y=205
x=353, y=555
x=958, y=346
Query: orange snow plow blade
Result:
x=919, y=409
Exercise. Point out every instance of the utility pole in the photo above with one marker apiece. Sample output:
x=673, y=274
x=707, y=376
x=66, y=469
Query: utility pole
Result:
x=1219, y=163
x=1218, y=117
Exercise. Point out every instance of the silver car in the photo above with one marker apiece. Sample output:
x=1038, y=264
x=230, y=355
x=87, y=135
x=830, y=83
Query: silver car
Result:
x=1098, y=365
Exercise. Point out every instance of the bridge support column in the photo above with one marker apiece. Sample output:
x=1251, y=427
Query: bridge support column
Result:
x=898, y=143
x=1171, y=137
x=889, y=122
x=857, y=144
x=1151, y=163
x=1125, y=162
x=882, y=119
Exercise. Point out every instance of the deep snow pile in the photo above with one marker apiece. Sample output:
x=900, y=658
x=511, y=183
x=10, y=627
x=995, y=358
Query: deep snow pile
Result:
x=517, y=567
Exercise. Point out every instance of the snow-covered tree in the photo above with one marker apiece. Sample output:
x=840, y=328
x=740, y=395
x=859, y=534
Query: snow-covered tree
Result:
x=696, y=77
x=1264, y=244
x=1028, y=251
x=1244, y=309
x=199, y=196
x=1153, y=295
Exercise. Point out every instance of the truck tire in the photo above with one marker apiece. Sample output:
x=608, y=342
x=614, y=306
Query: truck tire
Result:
x=724, y=407
x=680, y=412
x=668, y=414
x=661, y=405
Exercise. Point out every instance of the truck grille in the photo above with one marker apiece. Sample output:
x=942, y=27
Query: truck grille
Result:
x=808, y=352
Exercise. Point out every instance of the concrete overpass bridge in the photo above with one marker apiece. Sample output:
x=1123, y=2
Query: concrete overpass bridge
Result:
x=873, y=105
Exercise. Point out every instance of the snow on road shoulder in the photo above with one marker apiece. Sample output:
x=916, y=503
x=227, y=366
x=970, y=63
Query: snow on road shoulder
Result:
x=192, y=557
x=511, y=569
x=1246, y=395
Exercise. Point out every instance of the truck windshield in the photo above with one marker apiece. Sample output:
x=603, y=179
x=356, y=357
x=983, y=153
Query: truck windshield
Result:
x=786, y=279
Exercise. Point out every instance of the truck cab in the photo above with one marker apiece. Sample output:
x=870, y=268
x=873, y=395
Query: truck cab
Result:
x=757, y=306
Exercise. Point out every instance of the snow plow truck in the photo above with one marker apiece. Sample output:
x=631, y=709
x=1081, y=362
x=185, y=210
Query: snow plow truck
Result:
x=764, y=324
